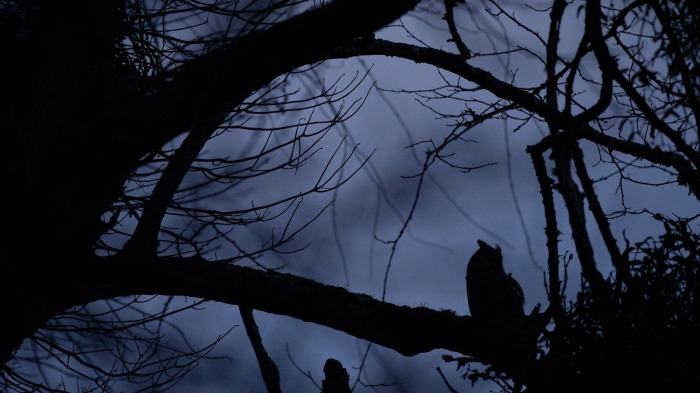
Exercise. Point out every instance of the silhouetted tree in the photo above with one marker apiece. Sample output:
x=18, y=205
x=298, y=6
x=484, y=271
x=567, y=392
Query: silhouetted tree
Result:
x=648, y=342
x=125, y=121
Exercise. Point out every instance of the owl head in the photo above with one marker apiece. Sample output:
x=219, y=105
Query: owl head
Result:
x=487, y=258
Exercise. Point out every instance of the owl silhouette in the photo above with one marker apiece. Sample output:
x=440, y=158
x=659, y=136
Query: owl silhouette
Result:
x=492, y=294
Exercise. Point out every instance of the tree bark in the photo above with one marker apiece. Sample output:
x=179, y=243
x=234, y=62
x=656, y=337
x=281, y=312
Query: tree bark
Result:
x=220, y=80
x=407, y=330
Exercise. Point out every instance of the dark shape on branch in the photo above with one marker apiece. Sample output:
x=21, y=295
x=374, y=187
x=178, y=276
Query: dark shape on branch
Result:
x=493, y=295
x=337, y=378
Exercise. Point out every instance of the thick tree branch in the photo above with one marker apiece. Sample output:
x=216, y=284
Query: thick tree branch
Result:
x=526, y=100
x=453, y=63
x=218, y=81
x=408, y=330
x=145, y=236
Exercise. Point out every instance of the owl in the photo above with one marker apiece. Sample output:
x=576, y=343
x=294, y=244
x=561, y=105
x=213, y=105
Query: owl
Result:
x=492, y=294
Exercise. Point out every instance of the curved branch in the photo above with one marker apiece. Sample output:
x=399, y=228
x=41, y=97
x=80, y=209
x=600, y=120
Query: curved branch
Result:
x=524, y=99
x=608, y=64
x=605, y=62
x=219, y=80
x=453, y=63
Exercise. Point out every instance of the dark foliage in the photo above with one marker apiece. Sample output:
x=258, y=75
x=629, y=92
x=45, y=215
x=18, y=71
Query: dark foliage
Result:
x=646, y=338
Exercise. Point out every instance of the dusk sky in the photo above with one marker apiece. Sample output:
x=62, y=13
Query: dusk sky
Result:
x=349, y=244
x=453, y=211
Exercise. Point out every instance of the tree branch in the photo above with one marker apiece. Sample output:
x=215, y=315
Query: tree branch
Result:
x=599, y=215
x=145, y=236
x=551, y=231
x=453, y=63
x=573, y=200
x=609, y=66
x=218, y=81
x=526, y=100
x=268, y=368
x=555, y=16
x=675, y=48
x=605, y=63
x=687, y=174
x=456, y=37
x=408, y=330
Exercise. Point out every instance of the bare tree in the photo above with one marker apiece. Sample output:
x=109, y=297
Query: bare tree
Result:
x=125, y=123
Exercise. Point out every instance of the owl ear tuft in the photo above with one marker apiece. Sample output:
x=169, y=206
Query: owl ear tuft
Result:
x=498, y=248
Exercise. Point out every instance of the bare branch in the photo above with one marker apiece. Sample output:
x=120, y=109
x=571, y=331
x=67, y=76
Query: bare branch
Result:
x=456, y=37
x=551, y=231
x=268, y=368
x=599, y=215
x=185, y=96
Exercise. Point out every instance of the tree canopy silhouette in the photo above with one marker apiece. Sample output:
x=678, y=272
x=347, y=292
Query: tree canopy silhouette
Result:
x=125, y=124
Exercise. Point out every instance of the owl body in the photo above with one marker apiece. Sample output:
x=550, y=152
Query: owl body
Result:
x=492, y=294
